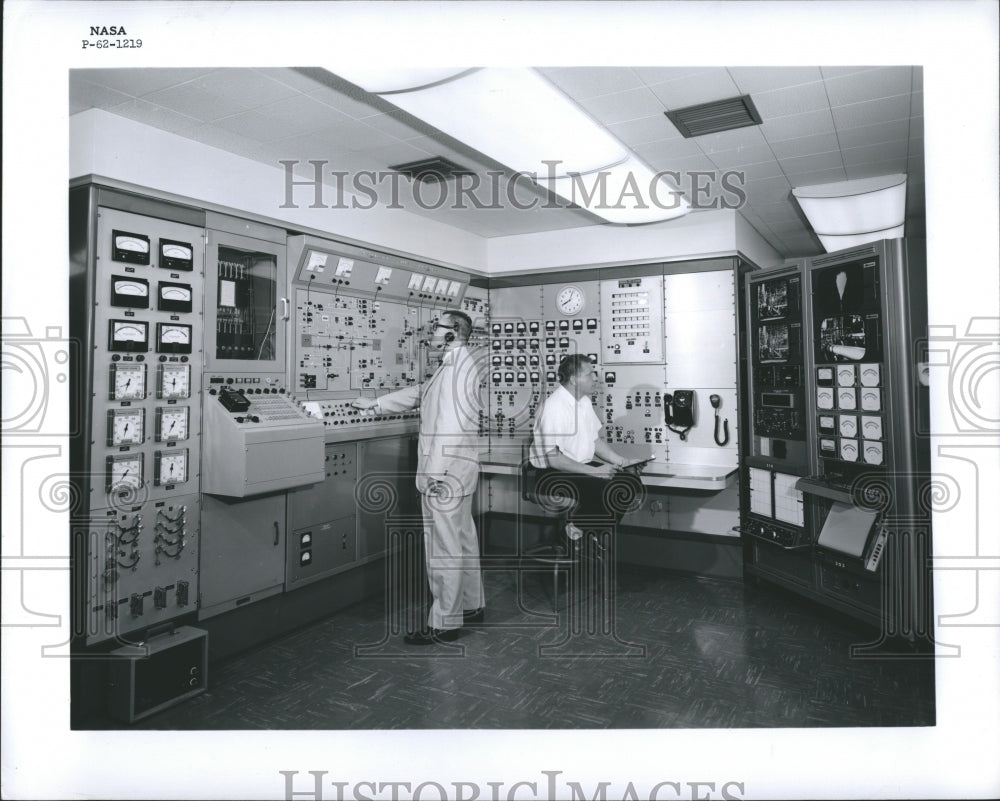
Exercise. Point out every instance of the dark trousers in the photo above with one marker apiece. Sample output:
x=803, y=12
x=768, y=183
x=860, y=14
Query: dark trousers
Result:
x=596, y=502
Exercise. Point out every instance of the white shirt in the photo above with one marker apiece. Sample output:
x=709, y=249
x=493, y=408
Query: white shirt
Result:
x=565, y=423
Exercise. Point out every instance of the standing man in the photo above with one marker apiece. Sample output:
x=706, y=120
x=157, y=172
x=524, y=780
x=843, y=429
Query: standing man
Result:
x=566, y=440
x=447, y=474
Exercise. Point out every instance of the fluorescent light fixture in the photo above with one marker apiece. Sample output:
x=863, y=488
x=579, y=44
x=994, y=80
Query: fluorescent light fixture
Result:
x=516, y=117
x=849, y=213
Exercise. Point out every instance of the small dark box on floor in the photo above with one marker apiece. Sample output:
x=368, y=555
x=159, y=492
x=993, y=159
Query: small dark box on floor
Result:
x=161, y=672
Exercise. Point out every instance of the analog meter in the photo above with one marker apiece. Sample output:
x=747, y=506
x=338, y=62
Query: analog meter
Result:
x=174, y=297
x=124, y=471
x=570, y=300
x=131, y=248
x=128, y=382
x=131, y=336
x=172, y=423
x=129, y=292
x=174, y=381
x=126, y=426
x=176, y=255
x=170, y=467
x=173, y=338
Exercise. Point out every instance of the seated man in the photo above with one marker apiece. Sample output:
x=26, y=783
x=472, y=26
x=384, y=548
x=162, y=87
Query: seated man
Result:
x=566, y=440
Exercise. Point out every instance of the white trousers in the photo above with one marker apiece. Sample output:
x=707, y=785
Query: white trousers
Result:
x=451, y=547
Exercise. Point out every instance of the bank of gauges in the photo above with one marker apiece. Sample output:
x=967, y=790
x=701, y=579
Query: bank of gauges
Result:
x=174, y=381
x=170, y=467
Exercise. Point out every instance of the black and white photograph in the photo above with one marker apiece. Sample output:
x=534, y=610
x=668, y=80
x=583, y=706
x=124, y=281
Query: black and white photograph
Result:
x=501, y=400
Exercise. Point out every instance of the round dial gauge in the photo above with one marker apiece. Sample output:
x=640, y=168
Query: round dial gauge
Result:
x=171, y=467
x=570, y=300
x=125, y=426
x=173, y=424
x=124, y=472
x=175, y=381
x=128, y=381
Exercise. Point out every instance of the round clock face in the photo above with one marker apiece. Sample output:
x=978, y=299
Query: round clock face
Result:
x=569, y=300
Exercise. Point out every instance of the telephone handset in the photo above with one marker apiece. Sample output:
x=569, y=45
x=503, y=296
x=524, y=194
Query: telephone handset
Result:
x=678, y=410
x=716, y=402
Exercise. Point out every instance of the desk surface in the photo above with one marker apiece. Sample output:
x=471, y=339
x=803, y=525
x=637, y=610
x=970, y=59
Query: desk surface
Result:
x=507, y=462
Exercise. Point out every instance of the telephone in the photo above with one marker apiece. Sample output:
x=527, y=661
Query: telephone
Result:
x=678, y=409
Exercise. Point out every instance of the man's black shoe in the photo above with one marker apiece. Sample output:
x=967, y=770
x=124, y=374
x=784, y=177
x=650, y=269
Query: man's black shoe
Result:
x=472, y=617
x=431, y=636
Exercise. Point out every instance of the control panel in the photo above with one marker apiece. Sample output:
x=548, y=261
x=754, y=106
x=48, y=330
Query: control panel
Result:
x=258, y=443
x=848, y=386
x=144, y=478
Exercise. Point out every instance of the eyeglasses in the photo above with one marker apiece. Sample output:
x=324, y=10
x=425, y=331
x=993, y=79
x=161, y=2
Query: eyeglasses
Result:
x=446, y=327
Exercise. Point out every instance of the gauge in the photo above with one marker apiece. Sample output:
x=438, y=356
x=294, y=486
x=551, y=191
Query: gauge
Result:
x=848, y=426
x=871, y=399
x=175, y=381
x=871, y=426
x=128, y=335
x=415, y=281
x=174, y=297
x=570, y=300
x=124, y=471
x=176, y=255
x=128, y=382
x=170, y=467
x=132, y=293
x=126, y=426
x=131, y=248
x=172, y=423
x=429, y=283
x=173, y=338
x=873, y=452
x=442, y=285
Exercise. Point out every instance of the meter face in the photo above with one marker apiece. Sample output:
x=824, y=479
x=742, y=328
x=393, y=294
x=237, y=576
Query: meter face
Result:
x=174, y=297
x=175, y=381
x=124, y=472
x=128, y=382
x=128, y=292
x=126, y=426
x=171, y=467
x=173, y=338
x=130, y=248
x=130, y=336
x=176, y=255
x=172, y=423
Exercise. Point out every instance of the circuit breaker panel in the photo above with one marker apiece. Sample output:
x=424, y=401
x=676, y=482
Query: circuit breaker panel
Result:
x=142, y=485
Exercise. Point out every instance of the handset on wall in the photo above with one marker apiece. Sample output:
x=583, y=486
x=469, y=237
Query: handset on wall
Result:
x=678, y=410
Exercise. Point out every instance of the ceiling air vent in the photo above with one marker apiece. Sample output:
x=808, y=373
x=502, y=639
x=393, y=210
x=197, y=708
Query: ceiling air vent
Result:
x=433, y=170
x=720, y=115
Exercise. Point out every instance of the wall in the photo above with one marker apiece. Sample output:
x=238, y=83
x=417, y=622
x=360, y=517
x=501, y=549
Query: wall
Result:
x=114, y=147
x=696, y=235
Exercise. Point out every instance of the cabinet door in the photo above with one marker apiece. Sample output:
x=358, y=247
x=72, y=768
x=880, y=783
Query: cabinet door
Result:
x=242, y=551
x=245, y=313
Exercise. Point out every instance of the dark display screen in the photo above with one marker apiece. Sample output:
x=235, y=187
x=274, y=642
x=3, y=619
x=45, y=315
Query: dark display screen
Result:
x=847, y=313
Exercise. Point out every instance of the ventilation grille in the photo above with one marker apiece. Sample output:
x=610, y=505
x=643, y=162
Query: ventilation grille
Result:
x=721, y=115
x=432, y=171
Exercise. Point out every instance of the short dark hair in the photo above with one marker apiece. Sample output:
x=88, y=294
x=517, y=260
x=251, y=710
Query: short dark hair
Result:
x=463, y=323
x=573, y=365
